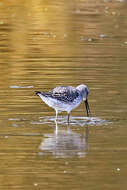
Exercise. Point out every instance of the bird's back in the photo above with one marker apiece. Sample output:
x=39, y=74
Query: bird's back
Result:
x=65, y=94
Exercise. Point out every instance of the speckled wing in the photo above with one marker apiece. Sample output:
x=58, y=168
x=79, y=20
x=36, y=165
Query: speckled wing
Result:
x=62, y=93
x=65, y=94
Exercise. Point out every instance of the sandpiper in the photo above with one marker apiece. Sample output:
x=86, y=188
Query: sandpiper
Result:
x=66, y=98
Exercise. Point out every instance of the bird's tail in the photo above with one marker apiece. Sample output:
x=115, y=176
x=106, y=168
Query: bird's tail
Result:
x=37, y=93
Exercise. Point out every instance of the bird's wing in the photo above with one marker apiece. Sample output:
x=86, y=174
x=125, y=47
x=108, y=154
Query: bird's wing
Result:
x=65, y=94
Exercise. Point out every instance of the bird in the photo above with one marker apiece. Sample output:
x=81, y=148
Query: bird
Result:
x=66, y=98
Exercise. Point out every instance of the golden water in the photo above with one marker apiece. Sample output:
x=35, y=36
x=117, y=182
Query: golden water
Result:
x=48, y=43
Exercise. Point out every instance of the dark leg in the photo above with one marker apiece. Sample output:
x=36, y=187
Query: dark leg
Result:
x=68, y=118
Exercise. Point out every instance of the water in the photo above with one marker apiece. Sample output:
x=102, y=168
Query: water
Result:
x=44, y=44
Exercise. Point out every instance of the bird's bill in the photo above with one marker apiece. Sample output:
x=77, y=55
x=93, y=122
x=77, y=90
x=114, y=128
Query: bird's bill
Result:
x=87, y=108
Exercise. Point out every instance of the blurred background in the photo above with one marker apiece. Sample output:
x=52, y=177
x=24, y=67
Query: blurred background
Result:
x=44, y=44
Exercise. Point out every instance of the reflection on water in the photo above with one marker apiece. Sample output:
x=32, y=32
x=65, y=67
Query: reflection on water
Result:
x=65, y=143
x=44, y=44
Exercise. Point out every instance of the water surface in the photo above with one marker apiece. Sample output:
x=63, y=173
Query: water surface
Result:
x=44, y=44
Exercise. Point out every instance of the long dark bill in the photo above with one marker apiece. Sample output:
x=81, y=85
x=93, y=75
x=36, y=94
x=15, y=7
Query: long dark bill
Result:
x=87, y=108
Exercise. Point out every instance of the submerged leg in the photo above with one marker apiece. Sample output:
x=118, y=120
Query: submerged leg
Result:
x=68, y=117
x=56, y=115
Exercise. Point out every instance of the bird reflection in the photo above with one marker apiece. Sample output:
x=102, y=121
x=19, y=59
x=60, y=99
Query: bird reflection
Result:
x=65, y=143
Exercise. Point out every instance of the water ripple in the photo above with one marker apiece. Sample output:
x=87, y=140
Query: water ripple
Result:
x=74, y=121
x=15, y=86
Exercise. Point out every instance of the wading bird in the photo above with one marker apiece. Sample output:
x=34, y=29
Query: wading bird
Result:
x=66, y=98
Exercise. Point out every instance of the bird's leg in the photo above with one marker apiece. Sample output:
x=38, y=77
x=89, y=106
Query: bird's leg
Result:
x=56, y=115
x=68, y=117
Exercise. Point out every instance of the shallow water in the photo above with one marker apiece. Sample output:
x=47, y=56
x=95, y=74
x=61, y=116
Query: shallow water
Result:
x=45, y=44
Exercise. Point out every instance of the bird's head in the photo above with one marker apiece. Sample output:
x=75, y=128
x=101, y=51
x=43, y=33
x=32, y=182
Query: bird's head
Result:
x=84, y=90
